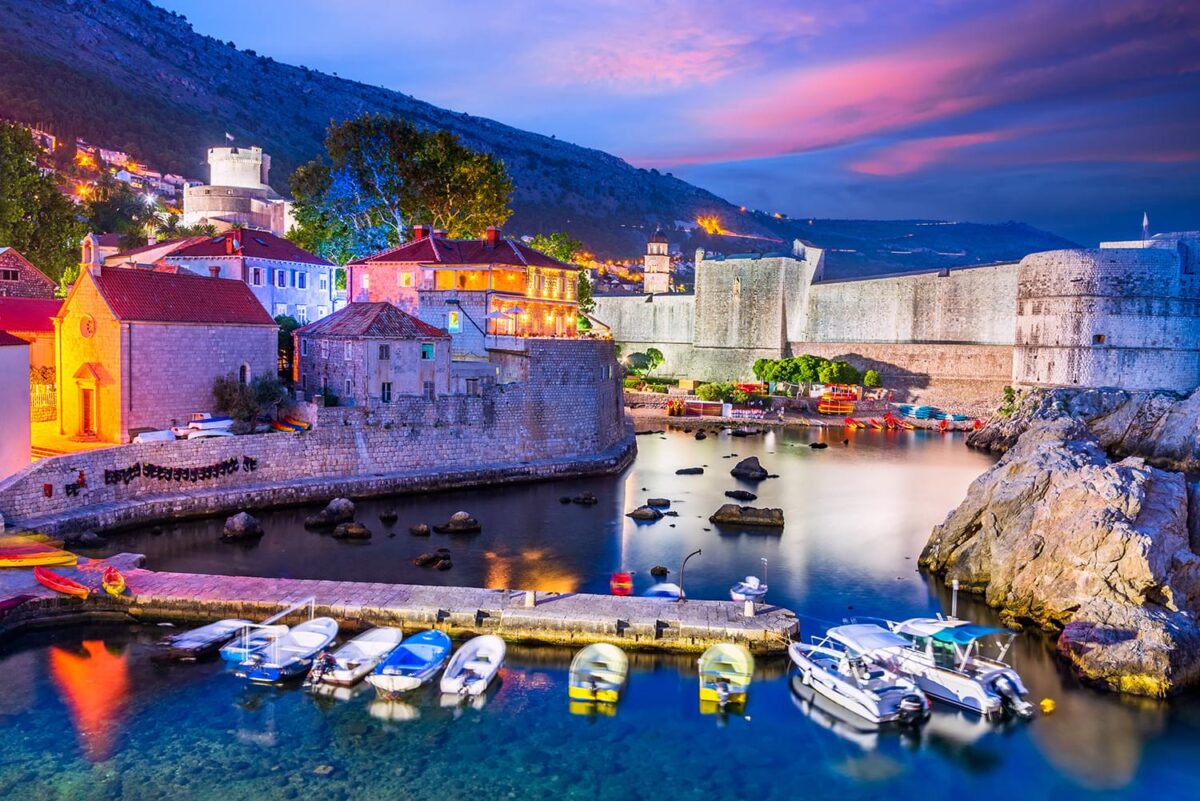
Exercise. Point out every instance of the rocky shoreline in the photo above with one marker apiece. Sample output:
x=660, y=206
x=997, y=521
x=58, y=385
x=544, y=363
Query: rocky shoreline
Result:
x=1088, y=526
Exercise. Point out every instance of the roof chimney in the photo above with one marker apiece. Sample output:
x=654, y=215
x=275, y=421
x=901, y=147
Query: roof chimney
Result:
x=214, y=271
x=419, y=232
x=493, y=236
x=439, y=233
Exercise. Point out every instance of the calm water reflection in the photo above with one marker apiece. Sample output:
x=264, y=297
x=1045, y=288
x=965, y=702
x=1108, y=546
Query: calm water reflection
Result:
x=85, y=714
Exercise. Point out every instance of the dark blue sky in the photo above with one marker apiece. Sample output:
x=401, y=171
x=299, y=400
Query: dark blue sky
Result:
x=1070, y=115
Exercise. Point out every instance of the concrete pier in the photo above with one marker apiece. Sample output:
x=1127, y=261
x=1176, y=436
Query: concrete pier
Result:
x=558, y=618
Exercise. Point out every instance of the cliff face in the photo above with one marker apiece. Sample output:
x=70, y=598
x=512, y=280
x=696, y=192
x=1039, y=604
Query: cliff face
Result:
x=1059, y=535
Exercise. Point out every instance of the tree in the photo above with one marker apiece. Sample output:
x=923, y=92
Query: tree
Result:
x=382, y=175
x=35, y=217
x=245, y=402
x=871, y=379
x=559, y=245
x=169, y=227
x=654, y=358
x=838, y=373
x=116, y=208
x=583, y=293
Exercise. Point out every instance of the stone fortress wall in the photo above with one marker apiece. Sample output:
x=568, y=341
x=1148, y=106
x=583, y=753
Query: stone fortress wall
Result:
x=566, y=418
x=952, y=336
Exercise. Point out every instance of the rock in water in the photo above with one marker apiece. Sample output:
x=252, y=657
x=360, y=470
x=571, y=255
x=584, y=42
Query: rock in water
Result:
x=741, y=495
x=701, y=435
x=419, y=530
x=388, y=516
x=659, y=503
x=731, y=514
x=585, y=499
x=690, y=471
x=351, y=531
x=749, y=470
x=242, y=526
x=645, y=513
x=658, y=571
x=1057, y=534
x=459, y=523
x=339, y=510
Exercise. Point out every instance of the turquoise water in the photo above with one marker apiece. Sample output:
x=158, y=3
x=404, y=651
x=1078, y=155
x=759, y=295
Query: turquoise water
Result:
x=85, y=713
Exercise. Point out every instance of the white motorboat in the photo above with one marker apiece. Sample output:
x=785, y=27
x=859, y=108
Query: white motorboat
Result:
x=473, y=666
x=292, y=654
x=751, y=589
x=946, y=659
x=155, y=436
x=209, y=433
x=841, y=667
x=354, y=660
x=664, y=590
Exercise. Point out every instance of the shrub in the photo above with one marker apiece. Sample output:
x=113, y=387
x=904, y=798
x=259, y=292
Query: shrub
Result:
x=871, y=379
x=632, y=382
x=245, y=402
x=1009, y=405
x=718, y=392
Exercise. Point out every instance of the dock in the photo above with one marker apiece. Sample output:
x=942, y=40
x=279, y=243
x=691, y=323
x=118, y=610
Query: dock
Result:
x=553, y=618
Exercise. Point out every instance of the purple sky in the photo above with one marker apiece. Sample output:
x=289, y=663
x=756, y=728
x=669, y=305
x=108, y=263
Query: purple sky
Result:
x=1073, y=116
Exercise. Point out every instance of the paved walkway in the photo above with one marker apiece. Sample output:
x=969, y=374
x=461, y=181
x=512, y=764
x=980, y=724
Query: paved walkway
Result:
x=571, y=618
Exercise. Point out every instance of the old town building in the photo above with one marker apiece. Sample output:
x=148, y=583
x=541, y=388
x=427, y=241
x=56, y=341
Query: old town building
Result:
x=487, y=293
x=371, y=353
x=20, y=279
x=32, y=320
x=14, y=399
x=141, y=349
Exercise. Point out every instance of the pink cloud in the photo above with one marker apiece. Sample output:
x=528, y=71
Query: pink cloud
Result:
x=915, y=154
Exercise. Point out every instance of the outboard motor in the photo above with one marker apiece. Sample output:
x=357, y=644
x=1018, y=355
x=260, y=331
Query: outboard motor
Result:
x=722, y=693
x=1010, y=699
x=913, y=709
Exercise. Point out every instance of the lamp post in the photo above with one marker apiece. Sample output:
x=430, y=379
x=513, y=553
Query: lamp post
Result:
x=681, y=569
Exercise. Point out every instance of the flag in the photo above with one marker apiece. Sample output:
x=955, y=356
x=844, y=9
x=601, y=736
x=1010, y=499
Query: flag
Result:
x=1145, y=225
x=229, y=136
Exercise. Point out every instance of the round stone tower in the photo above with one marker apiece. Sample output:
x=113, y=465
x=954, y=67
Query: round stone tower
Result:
x=247, y=167
x=1124, y=317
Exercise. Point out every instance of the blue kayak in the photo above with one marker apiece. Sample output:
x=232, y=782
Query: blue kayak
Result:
x=413, y=663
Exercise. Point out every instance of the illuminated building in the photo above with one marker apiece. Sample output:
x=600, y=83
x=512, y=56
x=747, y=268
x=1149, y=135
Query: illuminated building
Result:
x=657, y=265
x=487, y=293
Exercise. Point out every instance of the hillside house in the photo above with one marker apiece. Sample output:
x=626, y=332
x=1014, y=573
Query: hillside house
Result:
x=20, y=279
x=141, y=349
x=371, y=353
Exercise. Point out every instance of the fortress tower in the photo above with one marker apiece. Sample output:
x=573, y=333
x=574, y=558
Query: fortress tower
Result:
x=657, y=276
x=247, y=167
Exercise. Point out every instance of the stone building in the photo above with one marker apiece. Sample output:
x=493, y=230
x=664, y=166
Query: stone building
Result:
x=487, y=293
x=14, y=400
x=285, y=278
x=20, y=279
x=32, y=320
x=238, y=191
x=141, y=349
x=1126, y=315
x=367, y=353
x=656, y=274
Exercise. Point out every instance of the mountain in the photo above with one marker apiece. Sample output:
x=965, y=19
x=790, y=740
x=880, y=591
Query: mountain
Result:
x=130, y=75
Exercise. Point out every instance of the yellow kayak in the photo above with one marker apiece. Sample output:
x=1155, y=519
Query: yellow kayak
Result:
x=33, y=550
x=112, y=581
x=50, y=559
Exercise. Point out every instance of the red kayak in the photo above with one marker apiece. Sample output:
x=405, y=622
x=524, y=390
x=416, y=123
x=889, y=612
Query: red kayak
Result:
x=621, y=583
x=48, y=578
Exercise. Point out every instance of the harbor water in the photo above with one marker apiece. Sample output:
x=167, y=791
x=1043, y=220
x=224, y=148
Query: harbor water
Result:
x=86, y=713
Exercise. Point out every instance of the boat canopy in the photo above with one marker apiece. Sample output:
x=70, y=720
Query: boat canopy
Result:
x=866, y=637
x=959, y=632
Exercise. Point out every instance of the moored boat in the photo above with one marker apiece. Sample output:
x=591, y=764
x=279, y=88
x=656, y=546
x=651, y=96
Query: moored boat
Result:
x=356, y=658
x=750, y=589
x=112, y=581
x=200, y=642
x=60, y=583
x=840, y=667
x=726, y=670
x=33, y=550
x=598, y=673
x=474, y=665
x=291, y=654
x=411, y=664
x=664, y=590
x=250, y=639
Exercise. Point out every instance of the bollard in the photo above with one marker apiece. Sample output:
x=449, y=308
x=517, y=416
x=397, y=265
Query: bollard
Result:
x=530, y=598
x=748, y=608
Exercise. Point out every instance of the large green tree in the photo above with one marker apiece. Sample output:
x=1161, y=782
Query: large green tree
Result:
x=116, y=208
x=35, y=217
x=381, y=175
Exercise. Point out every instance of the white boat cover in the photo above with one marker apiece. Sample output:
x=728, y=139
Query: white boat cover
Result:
x=864, y=638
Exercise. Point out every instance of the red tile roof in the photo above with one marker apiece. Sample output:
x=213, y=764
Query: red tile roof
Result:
x=8, y=340
x=381, y=320
x=253, y=243
x=435, y=250
x=170, y=246
x=154, y=297
x=28, y=314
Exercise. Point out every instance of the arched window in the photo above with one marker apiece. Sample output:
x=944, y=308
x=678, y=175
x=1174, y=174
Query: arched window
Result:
x=244, y=374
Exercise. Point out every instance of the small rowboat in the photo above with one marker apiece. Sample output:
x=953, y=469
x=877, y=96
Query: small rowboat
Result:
x=48, y=578
x=113, y=582
x=413, y=663
x=621, y=583
x=292, y=654
x=349, y=663
x=725, y=673
x=251, y=639
x=752, y=589
x=598, y=673
x=199, y=642
x=473, y=666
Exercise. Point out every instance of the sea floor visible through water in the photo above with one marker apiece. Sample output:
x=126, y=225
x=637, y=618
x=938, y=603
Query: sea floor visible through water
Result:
x=85, y=713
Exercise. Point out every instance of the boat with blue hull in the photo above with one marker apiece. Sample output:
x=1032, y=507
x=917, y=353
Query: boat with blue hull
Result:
x=413, y=663
x=250, y=639
x=292, y=654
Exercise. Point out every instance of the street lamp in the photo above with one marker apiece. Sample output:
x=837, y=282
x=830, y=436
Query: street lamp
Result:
x=681, y=568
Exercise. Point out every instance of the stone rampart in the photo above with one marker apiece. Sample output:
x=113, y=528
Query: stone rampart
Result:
x=566, y=419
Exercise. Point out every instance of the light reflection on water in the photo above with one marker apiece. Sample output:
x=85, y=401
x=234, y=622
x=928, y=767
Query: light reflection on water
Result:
x=857, y=516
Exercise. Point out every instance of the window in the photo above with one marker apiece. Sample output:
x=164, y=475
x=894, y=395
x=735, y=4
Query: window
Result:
x=281, y=279
x=472, y=386
x=385, y=353
x=302, y=314
x=385, y=392
x=426, y=351
x=256, y=276
x=10, y=275
x=428, y=387
x=244, y=374
x=366, y=282
x=304, y=347
x=347, y=351
x=301, y=279
x=1098, y=339
x=322, y=311
x=324, y=349
x=406, y=279
x=323, y=282
x=349, y=389
x=280, y=308
x=454, y=321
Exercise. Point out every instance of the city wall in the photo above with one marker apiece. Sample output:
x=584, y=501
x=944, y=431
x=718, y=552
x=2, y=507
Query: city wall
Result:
x=566, y=420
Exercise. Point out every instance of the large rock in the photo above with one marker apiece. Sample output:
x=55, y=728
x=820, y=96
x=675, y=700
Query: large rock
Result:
x=339, y=510
x=459, y=523
x=351, y=531
x=645, y=513
x=749, y=470
x=741, y=495
x=240, y=527
x=1056, y=534
x=731, y=514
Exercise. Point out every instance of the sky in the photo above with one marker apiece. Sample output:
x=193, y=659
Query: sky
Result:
x=1075, y=116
